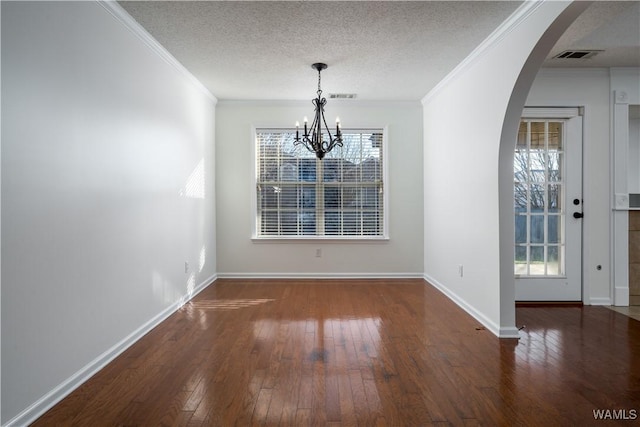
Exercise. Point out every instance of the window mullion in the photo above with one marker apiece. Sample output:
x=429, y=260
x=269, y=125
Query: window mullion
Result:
x=319, y=198
x=279, y=179
x=360, y=206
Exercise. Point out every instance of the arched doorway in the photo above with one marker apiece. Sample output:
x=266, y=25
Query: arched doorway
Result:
x=506, y=152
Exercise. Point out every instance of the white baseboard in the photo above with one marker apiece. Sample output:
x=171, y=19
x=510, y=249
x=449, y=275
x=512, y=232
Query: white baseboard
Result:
x=600, y=301
x=500, y=332
x=50, y=399
x=509, y=332
x=621, y=296
x=320, y=275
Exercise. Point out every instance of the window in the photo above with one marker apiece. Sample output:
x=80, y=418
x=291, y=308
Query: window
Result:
x=341, y=196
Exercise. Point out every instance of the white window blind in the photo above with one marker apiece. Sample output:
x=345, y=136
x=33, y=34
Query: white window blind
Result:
x=339, y=196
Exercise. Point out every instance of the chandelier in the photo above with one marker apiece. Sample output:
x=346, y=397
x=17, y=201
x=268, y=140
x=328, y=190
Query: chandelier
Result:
x=313, y=139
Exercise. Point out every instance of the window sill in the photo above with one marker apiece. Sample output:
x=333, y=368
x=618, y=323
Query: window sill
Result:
x=316, y=239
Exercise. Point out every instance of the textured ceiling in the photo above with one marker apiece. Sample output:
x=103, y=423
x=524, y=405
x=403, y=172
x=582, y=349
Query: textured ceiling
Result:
x=379, y=50
x=264, y=50
x=610, y=27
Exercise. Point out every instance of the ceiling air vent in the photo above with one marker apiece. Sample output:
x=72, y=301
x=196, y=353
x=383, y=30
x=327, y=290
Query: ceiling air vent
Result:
x=576, y=54
x=342, y=95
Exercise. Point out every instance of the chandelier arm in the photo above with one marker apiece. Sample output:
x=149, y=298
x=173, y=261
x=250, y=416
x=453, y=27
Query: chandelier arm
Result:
x=316, y=138
x=304, y=141
x=333, y=141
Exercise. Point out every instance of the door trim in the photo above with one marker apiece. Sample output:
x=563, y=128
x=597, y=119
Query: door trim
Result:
x=564, y=114
x=551, y=112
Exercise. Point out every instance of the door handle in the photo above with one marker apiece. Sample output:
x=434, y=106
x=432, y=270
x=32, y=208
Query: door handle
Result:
x=578, y=215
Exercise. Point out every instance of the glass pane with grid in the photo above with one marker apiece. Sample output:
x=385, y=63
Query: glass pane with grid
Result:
x=538, y=199
x=298, y=195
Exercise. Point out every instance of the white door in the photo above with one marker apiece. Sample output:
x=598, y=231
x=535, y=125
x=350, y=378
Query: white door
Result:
x=548, y=206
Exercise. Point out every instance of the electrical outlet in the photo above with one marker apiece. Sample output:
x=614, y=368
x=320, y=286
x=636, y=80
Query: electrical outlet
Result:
x=460, y=270
x=318, y=253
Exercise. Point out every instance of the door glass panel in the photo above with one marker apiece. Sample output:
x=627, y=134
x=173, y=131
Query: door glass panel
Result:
x=521, y=231
x=553, y=229
x=536, y=137
x=552, y=261
x=521, y=260
x=555, y=135
x=521, y=143
x=536, y=194
x=554, y=160
x=536, y=261
x=554, y=196
x=538, y=198
x=536, y=229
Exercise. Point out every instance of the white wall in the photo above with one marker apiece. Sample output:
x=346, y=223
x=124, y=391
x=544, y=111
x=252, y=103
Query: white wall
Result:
x=470, y=131
x=588, y=88
x=107, y=189
x=238, y=255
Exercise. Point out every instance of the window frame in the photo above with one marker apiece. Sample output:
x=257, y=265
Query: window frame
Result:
x=384, y=236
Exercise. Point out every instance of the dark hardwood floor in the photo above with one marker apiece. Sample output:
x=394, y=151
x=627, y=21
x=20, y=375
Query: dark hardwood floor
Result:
x=365, y=353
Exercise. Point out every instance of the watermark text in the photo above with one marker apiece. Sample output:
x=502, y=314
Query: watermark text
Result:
x=615, y=414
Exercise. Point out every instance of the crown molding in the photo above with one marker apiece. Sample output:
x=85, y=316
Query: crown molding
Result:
x=138, y=30
x=366, y=103
x=503, y=30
